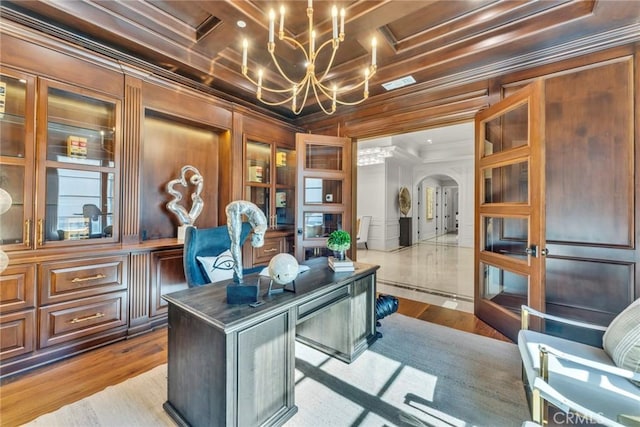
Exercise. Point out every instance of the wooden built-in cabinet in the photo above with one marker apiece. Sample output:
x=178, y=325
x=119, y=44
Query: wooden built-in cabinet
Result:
x=269, y=181
x=71, y=200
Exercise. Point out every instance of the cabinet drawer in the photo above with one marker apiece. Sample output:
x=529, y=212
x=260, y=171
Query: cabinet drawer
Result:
x=71, y=320
x=17, y=333
x=271, y=247
x=17, y=288
x=307, y=309
x=63, y=281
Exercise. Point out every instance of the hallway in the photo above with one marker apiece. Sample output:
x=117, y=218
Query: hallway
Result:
x=435, y=271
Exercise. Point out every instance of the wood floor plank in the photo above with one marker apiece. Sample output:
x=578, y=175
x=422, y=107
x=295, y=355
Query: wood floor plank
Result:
x=26, y=396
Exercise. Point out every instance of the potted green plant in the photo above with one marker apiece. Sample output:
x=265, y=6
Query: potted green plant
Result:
x=339, y=241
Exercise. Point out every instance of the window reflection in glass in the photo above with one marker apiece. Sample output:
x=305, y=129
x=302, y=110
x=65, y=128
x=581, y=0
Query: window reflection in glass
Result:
x=325, y=157
x=507, y=131
x=79, y=204
x=12, y=121
x=322, y=191
x=318, y=224
x=506, y=236
x=507, y=184
x=505, y=288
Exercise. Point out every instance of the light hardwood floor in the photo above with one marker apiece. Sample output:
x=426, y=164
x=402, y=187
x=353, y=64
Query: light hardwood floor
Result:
x=26, y=396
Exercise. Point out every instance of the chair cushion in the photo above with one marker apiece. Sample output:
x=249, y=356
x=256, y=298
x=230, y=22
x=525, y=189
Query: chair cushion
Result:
x=608, y=395
x=621, y=340
x=219, y=267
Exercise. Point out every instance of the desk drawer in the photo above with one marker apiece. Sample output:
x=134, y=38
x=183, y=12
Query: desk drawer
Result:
x=64, y=281
x=70, y=320
x=307, y=309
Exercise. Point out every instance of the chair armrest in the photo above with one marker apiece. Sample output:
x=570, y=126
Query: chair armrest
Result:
x=526, y=311
x=551, y=395
x=609, y=369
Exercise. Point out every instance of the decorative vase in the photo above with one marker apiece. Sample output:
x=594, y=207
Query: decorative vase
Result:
x=339, y=255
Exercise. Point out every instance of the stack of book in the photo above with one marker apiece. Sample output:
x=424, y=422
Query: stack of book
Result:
x=341, y=265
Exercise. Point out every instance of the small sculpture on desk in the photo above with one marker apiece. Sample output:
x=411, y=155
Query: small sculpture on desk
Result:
x=283, y=269
x=186, y=219
x=239, y=292
x=235, y=211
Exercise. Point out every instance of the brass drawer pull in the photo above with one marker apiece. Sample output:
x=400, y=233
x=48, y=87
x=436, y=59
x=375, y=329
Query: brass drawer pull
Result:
x=84, y=319
x=84, y=279
x=270, y=250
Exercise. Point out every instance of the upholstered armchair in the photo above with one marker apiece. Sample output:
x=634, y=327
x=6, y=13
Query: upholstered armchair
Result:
x=204, y=250
x=597, y=384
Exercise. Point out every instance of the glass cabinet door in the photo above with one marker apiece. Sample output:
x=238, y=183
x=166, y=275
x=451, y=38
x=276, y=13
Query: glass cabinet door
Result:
x=270, y=181
x=258, y=175
x=284, y=203
x=79, y=172
x=17, y=123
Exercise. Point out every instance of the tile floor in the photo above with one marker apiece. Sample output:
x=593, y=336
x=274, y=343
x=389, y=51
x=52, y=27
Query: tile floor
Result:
x=435, y=271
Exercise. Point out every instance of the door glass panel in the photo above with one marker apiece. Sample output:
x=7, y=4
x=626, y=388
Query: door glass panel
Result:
x=506, y=236
x=505, y=288
x=260, y=197
x=318, y=224
x=80, y=129
x=507, y=184
x=325, y=157
x=509, y=130
x=258, y=162
x=11, y=223
x=13, y=94
x=319, y=191
x=79, y=204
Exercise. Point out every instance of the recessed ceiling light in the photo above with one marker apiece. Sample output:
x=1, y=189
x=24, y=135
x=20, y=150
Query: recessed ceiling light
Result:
x=398, y=83
x=429, y=141
x=241, y=23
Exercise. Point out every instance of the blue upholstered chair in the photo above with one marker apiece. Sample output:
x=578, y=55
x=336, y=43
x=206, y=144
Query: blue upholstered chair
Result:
x=207, y=242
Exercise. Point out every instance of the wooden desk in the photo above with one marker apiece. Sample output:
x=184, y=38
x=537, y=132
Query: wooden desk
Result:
x=233, y=365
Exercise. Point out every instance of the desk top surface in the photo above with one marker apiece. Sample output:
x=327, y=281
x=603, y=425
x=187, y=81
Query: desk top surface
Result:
x=209, y=302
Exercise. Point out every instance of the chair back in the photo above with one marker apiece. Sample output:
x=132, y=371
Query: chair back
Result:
x=205, y=242
x=363, y=229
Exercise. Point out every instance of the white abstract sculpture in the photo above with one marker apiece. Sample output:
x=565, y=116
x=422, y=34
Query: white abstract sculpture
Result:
x=186, y=219
x=235, y=211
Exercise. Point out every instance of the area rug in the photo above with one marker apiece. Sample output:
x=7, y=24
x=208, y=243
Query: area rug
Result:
x=417, y=374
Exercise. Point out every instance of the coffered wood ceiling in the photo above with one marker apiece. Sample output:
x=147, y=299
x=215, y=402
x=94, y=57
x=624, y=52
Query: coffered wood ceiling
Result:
x=441, y=43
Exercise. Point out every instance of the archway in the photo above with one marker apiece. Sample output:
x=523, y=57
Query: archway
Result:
x=438, y=208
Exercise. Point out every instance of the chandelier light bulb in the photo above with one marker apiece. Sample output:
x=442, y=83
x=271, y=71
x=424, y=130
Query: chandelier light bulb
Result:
x=281, y=32
x=374, y=44
x=323, y=90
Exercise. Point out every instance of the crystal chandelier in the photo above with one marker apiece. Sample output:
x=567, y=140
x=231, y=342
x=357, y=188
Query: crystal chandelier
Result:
x=298, y=91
